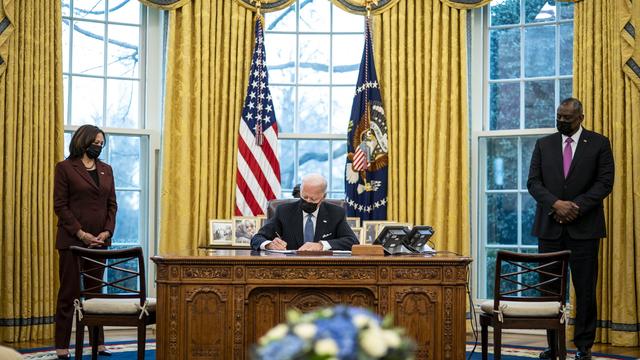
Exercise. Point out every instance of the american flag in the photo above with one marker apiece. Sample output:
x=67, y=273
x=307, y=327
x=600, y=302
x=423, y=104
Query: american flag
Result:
x=258, y=176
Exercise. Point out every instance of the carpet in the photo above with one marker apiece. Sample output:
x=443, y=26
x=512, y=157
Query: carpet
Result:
x=127, y=351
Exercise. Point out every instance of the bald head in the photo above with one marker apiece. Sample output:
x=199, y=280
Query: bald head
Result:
x=313, y=188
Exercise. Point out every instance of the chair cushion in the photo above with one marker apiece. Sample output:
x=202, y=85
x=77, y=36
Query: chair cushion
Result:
x=116, y=306
x=523, y=308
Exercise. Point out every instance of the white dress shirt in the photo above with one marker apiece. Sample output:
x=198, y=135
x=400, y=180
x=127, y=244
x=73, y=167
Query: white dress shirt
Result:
x=574, y=144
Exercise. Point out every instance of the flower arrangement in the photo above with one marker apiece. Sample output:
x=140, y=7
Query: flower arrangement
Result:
x=340, y=333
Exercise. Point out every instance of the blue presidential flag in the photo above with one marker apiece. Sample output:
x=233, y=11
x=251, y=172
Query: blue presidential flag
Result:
x=367, y=146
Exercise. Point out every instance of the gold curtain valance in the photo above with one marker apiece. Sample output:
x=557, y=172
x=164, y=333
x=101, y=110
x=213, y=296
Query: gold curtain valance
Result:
x=165, y=4
x=465, y=4
x=6, y=28
x=629, y=15
x=265, y=5
x=360, y=7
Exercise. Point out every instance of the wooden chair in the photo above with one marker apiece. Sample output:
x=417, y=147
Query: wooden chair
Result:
x=273, y=204
x=124, y=306
x=530, y=293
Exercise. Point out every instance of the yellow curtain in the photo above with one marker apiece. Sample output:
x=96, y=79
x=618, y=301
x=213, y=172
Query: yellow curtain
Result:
x=609, y=92
x=420, y=49
x=209, y=55
x=31, y=138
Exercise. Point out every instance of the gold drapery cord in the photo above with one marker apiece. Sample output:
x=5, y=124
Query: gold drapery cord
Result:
x=612, y=107
x=31, y=138
x=420, y=49
x=210, y=45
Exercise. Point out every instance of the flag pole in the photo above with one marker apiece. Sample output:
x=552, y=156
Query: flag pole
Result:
x=259, y=122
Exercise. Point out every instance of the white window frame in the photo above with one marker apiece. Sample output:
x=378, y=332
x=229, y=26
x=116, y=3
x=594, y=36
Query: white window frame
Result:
x=479, y=121
x=330, y=137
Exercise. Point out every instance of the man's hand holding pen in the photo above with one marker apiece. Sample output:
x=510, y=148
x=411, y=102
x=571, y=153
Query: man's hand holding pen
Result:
x=565, y=211
x=277, y=244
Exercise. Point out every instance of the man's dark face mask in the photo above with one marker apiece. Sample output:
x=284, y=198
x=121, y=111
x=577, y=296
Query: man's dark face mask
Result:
x=308, y=207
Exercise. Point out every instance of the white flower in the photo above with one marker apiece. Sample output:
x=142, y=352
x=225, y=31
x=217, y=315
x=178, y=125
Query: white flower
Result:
x=305, y=331
x=371, y=344
x=326, y=347
x=278, y=332
x=391, y=338
x=361, y=321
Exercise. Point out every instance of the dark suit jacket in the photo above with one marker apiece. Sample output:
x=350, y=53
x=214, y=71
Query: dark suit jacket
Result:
x=589, y=181
x=331, y=225
x=81, y=204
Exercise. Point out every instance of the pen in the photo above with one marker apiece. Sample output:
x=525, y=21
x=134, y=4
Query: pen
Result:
x=278, y=235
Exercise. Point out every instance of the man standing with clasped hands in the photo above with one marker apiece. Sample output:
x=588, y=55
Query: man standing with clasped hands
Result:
x=571, y=173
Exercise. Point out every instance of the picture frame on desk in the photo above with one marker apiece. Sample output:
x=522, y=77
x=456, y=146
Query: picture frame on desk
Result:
x=244, y=227
x=372, y=229
x=220, y=232
x=354, y=222
x=262, y=219
x=359, y=231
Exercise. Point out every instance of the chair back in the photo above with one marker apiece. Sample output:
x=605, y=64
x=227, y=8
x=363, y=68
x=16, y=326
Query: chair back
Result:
x=531, y=277
x=273, y=204
x=126, y=266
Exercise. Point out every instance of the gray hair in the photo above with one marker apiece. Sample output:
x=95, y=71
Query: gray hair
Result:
x=315, y=179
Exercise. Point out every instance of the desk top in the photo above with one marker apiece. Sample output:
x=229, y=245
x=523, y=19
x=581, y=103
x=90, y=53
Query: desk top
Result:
x=207, y=256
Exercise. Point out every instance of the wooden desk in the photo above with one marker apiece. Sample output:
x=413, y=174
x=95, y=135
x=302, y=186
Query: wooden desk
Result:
x=216, y=304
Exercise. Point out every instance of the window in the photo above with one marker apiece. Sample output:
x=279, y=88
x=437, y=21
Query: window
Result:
x=527, y=52
x=313, y=55
x=104, y=85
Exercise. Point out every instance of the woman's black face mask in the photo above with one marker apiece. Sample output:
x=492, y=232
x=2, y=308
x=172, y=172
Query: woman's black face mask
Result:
x=93, y=151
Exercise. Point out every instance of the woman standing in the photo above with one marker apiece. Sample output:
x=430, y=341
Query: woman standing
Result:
x=85, y=203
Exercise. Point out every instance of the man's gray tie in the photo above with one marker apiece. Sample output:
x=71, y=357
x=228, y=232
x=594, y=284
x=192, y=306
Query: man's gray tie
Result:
x=308, y=229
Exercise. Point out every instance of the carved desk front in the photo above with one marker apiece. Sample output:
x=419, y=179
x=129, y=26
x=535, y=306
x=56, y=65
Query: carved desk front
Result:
x=216, y=304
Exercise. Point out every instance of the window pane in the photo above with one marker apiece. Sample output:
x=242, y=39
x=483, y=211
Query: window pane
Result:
x=566, y=10
x=65, y=89
x=66, y=7
x=314, y=16
x=504, y=106
x=502, y=163
x=287, y=156
x=124, y=11
x=122, y=103
x=346, y=22
x=502, y=218
x=505, y=12
x=528, y=144
x=127, y=218
x=339, y=157
x=124, y=156
x=88, y=48
x=566, y=88
x=284, y=106
x=313, y=157
x=314, y=59
x=282, y=20
x=347, y=52
x=65, y=45
x=86, y=101
x=313, y=109
x=67, y=141
x=281, y=58
x=89, y=9
x=528, y=216
x=539, y=102
x=342, y=99
x=566, y=49
x=539, y=11
x=504, y=54
x=540, y=51
x=123, y=51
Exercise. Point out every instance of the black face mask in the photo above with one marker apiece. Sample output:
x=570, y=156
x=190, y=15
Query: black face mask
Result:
x=565, y=128
x=308, y=207
x=93, y=151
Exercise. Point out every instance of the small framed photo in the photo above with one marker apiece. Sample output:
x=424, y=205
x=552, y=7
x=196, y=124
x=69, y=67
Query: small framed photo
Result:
x=359, y=234
x=243, y=230
x=261, y=220
x=220, y=231
x=354, y=222
x=371, y=230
